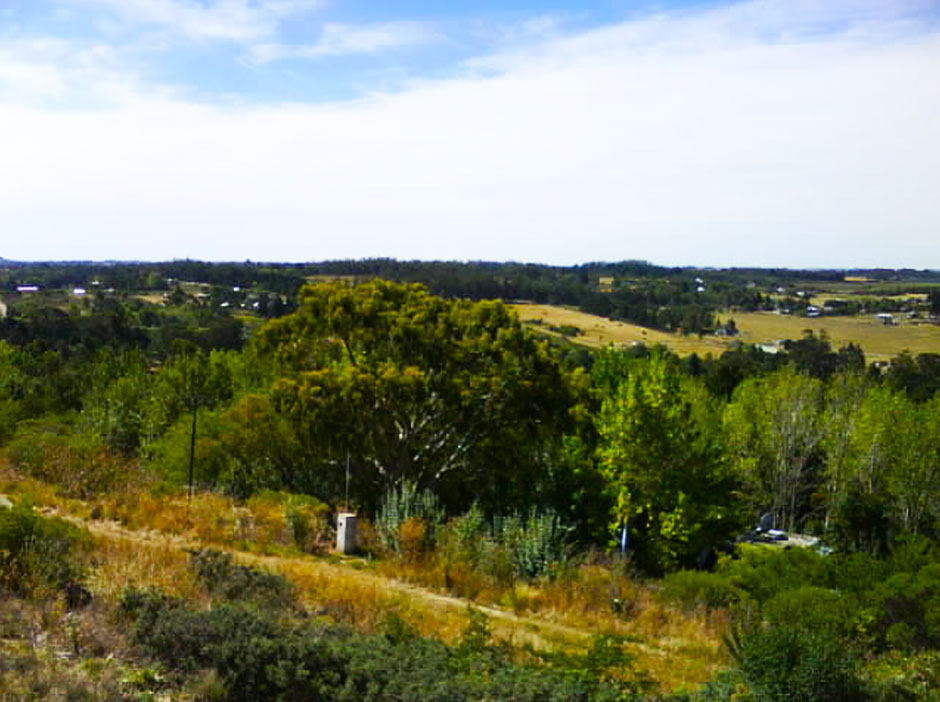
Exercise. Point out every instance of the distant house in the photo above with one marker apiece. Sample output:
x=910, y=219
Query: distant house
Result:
x=813, y=311
x=887, y=319
x=27, y=288
x=78, y=292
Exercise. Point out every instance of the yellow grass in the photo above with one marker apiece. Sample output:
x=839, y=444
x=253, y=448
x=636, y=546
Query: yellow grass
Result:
x=880, y=342
x=147, y=547
x=599, y=332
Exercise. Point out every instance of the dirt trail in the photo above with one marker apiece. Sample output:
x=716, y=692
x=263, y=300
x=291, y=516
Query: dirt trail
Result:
x=348, y=587
x=533, y=630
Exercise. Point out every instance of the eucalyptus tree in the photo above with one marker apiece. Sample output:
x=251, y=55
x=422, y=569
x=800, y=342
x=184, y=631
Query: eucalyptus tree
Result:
x=450, y=395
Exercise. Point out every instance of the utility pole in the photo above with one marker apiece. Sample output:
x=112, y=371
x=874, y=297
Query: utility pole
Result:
x=192, y=450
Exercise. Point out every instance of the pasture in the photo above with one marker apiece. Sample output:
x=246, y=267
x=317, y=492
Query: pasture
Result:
x=879, y=341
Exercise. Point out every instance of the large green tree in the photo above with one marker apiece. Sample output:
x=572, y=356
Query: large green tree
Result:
x=775, y=431
x=450, y=395
x=660, y=452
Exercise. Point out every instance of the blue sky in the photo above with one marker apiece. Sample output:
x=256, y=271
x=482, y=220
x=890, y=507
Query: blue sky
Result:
x=759, y=132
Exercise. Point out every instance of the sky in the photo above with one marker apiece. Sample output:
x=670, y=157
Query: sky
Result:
x=796, y=133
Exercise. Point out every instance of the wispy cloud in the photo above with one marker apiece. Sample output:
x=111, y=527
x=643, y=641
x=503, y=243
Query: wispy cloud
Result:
x=62, y=73
x=234, y=20
x=345, y=39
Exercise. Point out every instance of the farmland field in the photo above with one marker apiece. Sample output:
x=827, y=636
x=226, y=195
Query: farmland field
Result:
x=880, y=342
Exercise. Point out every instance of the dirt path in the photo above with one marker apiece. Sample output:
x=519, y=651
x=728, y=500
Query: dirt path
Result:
x=535, y=631
x=349, y=590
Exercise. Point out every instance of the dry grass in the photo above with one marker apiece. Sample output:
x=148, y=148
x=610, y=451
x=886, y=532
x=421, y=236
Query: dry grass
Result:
x=598, y=332
x=564, y=612
x=134, y=560
x=880, y=342
x=147, y=547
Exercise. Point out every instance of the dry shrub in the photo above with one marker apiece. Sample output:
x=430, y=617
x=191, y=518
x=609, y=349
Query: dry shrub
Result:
x=290, y=520
x=412, y=539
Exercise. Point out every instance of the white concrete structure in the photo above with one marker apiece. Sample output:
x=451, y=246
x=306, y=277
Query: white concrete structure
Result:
x=347, y=536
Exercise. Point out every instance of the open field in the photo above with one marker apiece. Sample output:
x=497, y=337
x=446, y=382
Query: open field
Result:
x=823, y=298
x=880, y=342
x=598, y=332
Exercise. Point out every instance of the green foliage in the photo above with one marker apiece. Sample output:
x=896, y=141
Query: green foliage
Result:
x=906, y=677
x=257, y=657
x=606, y=661
x=814, y=608
x=229, y=581
x=38, y=554
x=908, y=609
x=451, y=395
x=50, y=450
x=762, y=572
x=695, y=588
x=774, y=430
x=405, y=503
x=788, y=664
x=662, y=460
x=537, y=543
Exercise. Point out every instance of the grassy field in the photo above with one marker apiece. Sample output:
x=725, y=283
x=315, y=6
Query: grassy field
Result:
x=880, y=342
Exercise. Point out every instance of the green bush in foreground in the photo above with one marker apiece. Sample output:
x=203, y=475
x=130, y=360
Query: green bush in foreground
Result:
x=256, y=657
x=38, y=553
x=227, y=580
x=693, y=588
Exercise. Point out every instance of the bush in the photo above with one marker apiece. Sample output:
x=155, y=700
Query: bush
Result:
x=693, y=588
x=907, y=609
x=762, y=572
x=229, y=581
x=789, y=664
x=814, y=609
x=291, y=518
x=38, y=553
x=257, y=658
x=536, y=543
x=81, y=465
x=401, y=505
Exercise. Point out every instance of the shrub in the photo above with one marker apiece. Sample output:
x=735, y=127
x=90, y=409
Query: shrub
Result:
x=37, y=552
x=290, y=518
x=693, y=588
x=814, y=609
x=401, y=504
x=781, y=663
x=81, y=465
x=907, y=609
x=536, y=543
x=763, y=572
x=256, y=658
x=227, y=580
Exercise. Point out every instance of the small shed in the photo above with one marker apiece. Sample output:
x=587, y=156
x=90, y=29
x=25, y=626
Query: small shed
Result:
x=347, y=532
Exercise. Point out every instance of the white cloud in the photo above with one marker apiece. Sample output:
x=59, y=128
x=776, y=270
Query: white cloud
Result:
x=686, y=139
x=234, y=20
x=343, y=39
x=64, y=73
